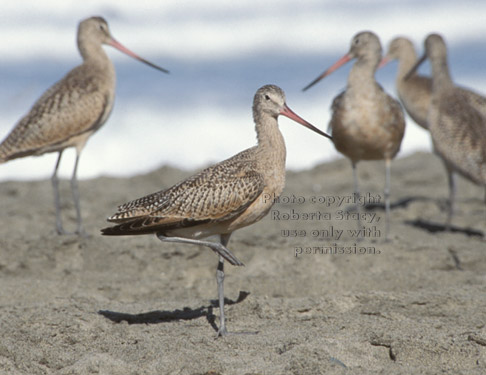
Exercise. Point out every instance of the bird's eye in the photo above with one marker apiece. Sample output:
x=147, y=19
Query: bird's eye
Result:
x=267, y=97
x=356, y=41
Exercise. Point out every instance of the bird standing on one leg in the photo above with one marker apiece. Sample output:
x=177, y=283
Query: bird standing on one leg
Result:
x=222, y=198
x=69, y=112
x=366, y=123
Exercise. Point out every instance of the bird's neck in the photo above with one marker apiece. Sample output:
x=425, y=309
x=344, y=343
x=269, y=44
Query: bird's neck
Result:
x=271, y=154
x=362, y=74
x=93, y=53
x=441, y=76
x=271, y=144
x=405, y=63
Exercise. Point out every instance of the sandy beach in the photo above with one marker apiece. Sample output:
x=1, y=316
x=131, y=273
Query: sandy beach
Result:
x=311, y=299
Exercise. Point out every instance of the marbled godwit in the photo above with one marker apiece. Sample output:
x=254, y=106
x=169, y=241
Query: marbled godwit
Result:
x=71, y=110
x=222, y=198
x=414, y=92
x=456, y=120
x=366, y=123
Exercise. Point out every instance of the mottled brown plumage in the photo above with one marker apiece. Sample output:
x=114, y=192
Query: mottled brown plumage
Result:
x=220, y=199
x=415, y=92
x=69, y=112
x=215, y=195
x=366, y=123
x=456, y=119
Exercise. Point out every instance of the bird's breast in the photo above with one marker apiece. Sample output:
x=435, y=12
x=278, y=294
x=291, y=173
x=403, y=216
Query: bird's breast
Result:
x=366, y=129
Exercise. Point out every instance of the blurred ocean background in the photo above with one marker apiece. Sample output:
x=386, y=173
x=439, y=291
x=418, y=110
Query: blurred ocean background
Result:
x=218, y=53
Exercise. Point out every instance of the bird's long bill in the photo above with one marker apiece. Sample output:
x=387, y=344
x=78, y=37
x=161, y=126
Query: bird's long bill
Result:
x=384, y=61
x=343, y=60
x=415, y=67
x=286, y=111
x=125, y=50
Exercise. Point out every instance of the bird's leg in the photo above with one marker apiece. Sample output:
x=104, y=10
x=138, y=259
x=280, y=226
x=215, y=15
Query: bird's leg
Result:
x=356, y=197
x=220, y=280
x=57, y=200
x=224, y=238
x=223, y=253
x=387, y=197
x=452, y=195
x=215, y=246
x=75, y=191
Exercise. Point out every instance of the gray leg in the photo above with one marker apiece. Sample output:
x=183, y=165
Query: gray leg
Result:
x=452, y=195
x=216, y=247
x=220, y=280
x=75, y=191
x=387, y=197
x=224, y=253
x=57, y=200
x=356, y=195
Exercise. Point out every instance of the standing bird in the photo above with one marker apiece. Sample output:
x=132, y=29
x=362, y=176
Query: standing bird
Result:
x=415, y=93
x=456, y=120
x=366, y=123
x=416, y=90
x=69, y=112
x=220, y=199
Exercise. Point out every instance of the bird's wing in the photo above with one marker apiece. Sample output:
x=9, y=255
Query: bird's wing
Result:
x=215, y=194
x=73, y=106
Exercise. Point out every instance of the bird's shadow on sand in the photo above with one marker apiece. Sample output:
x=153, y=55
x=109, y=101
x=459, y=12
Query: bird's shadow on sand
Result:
x=160, y=316
x=401, y=203
x=428, y=226
x=436, y=227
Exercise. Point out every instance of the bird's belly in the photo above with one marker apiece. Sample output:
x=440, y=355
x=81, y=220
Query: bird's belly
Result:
x=255, y=212
x=417, y=110
x=78, y=141
x=361, y=135
x=199, y=231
